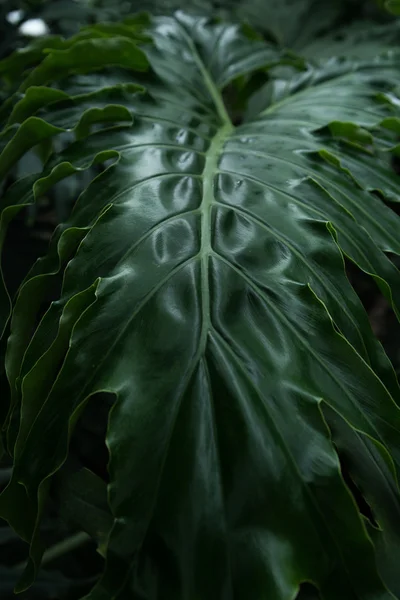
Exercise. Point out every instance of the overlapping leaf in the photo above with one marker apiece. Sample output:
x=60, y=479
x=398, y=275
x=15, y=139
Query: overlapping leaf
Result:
x=204, y=286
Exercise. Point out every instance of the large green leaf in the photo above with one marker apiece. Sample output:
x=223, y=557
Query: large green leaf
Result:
x=204, y=286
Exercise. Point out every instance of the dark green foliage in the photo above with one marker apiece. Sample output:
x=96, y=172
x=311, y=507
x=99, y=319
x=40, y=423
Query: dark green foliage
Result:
x=189, y=374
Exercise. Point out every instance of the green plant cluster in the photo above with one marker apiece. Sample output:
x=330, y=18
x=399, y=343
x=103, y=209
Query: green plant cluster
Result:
x=192, y=389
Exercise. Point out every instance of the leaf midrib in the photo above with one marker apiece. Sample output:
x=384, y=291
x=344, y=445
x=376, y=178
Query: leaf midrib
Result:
x=209, y=173
x=210, y=84
x=208, y=200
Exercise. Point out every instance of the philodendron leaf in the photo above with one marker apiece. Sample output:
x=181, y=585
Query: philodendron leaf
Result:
x=204, y=287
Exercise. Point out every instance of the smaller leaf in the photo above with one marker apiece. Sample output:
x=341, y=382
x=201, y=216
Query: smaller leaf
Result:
x=87, y=55
x=33, y=99
x=12, y=67
x=351, y=132
x=29, y=134
x=373, y=471
x=82, y=498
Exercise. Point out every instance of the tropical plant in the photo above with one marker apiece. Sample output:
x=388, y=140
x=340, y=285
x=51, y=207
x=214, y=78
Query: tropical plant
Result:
x=193, y=323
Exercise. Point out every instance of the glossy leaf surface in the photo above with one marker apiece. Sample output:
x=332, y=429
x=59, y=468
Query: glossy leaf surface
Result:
x=204, y=286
